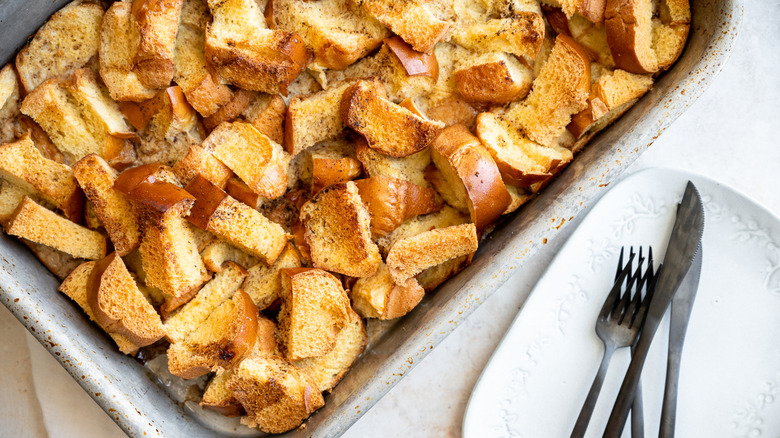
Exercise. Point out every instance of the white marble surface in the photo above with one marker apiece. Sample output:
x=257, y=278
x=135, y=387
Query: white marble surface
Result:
x=728, y=135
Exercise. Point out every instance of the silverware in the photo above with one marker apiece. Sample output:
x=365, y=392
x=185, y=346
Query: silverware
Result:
x=617, y=325
x=637, y=420
x=682, y=303
x=683, y=243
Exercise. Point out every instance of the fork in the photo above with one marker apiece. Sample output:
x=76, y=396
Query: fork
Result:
x=617, y=326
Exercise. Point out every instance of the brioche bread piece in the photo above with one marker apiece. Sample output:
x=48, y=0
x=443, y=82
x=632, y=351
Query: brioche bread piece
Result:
x=640, y=43
x=199, y=162
x=339, y=35
x=57, y=262
x=256, y=159
x=612, y=94
x=412, y=255
x=234, y=221
x=338, y=231
x=168, y=248
x=112, y=209
x=446, y=217
x=11, y=196
x=267, y=113
x=493, y=78
x=379, y=297
x=276, y=395
x=409, y=19
x=387, y=127
x=66, y=42
x=40, y=225
x=314, y=309
x=242, y=192
x=410, y=168
x=75, y=287
x=157, y=22
x=218, y=252
x=560, y=90
x=314, y=118
x=468, y=170
x=593, y=10
x=222, y=341
x=391, y=201
x=591, y=37
x=23, y=165
x=191, y=315
x=329, y=369
x=218, y=396
x=332, y=150
x=197, y=79
x=118, y=304
x=521, y=161
x=327, y=171
x=520, y=34
x=9, y=104
x=264, y=283
x=26, y=125
x=247, y=54
x=119, y=39
x=414, y=63
x=230, y=110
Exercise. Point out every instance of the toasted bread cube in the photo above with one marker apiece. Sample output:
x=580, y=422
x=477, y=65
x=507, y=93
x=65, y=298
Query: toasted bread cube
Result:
x=314, y=118
x=521, y=35
x=247, y=54
x=387, y=127
x=314, y=309
x=410, y=168
x=327, y=171
x=339, y=35
x=157, y=25
x=521, y=161
x=329, y=369
x=242, y=192
x=493, y=78
x=222, y=341
x=112, y=209
x=218, y=396
x=11, y=196
x=338, y=231
x=75, y=288
x=446, y=217
x=66, y=42
x=101, y=113
x=118, y=304
x=119, y=37
x=264, y=283
x=468, y=169
x=412, y=255
x=256, y=159
x=234, y=221
x=391, y=201
x=40, y=225
x=231, y=109
x=410, y=20
x=277, y=396
x=23, y=165
x=199, y=162
x=379, y=297
x=197, y=80
x=561, y=90
x=190, y=316
x=267, y=113
x=218, y=252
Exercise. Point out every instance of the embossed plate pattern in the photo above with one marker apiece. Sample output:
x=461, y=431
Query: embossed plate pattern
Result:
x=539, y=375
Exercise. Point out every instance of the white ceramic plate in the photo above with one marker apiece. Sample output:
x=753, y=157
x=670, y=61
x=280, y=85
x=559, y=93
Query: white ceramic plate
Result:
x=538, y=377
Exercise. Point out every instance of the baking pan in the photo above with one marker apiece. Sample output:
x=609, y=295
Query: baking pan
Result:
x=139, y=398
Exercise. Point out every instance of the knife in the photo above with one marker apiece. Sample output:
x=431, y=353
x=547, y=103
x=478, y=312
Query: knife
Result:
x=682, y=304
x=683, y=245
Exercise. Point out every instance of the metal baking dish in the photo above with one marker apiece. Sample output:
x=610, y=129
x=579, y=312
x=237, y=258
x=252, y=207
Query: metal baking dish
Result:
x=139, y=403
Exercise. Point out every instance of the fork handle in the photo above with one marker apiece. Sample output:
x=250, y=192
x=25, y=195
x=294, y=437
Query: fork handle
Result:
x=590, y=402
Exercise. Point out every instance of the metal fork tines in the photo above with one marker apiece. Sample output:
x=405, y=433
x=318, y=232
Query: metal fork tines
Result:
x=619, y=322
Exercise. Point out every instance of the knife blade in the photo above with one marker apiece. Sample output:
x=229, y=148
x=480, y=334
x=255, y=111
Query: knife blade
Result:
x=682, y=304
x=683, y=244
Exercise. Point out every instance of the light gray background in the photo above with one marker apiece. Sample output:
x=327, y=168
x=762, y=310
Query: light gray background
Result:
x=728, y=135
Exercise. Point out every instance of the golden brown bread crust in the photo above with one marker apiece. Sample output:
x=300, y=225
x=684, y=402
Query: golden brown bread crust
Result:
x=157, y=23
x=270, y=119
x=457, y=152
x=391, y=201
x=415, y=63
x=628, y=24
x=409, y=19
x=230, y=110
x=496, y=81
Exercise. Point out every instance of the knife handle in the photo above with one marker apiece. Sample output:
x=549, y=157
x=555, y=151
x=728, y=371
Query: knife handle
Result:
x=669, y=409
